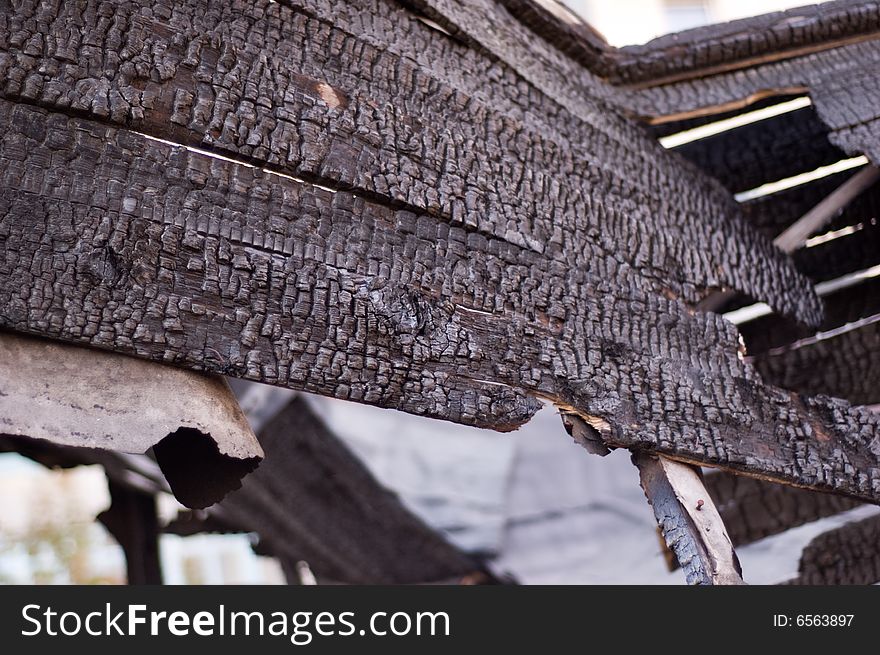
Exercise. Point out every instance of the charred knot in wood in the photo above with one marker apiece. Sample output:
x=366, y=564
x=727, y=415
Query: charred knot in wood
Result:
x=405, y=310
x=102, y=266
x=612, y=349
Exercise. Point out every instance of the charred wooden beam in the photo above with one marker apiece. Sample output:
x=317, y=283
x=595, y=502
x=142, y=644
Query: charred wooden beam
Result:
x=754, y=509
x=669, y=128
x=848, y=555
x=772, y=213
x=795, y=235
x=746, y=43
x=842, y=255
x=847, y=305
x=417, y=288
x=844, y=365
x=73, y=396
x=764, y=151
x=134, y=523
x=312, y=500
x=554, y=22
x=571, y=135
x=689, y=521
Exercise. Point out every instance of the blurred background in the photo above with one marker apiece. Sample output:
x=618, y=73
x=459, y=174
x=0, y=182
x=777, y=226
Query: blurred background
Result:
x=533, y=504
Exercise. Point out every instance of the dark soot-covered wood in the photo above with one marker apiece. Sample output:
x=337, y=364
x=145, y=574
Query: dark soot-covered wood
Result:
x=845, y=365
x=774, y=212
x=764, y=151
x=849, y=304
x=498, y=233
x=754, y=509
x=849, y=253
x=744, y=43
x=659, y=130
x=849, y=554
x=841, y=83
x=312, y=500
x=533, y=159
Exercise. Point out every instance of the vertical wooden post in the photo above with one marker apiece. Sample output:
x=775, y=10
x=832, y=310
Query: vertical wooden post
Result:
x=134, y=523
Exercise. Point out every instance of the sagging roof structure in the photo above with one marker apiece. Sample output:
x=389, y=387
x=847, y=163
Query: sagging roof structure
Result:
x=460, y=209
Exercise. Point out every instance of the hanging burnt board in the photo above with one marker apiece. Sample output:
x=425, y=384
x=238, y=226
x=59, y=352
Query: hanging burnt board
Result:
x=424, y=206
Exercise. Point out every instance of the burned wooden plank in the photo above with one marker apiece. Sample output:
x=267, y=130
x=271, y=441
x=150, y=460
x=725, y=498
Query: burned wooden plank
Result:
x=856, y=249
x=658, y=130
x=846, y=305
x=843, y=364
x=839, y=81
x=848, y=555
x=774, y=212
x=754, y=509
x=75, y=397
x=817, y=219
x=529, y=155
x=689, y=521
x=746, y=43
x=554, y=22
x=313, y=500
x=231, y=269
x=767, y=150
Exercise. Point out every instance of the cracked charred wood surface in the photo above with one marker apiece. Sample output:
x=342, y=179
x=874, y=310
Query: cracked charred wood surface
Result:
x=211, y=264
x=362, y=98
x=492, y=231
x=312, y=500
x=841, y=83
x=845, y=365
x=745, y=43
x=772, y=149
x=753, y=509
x=849, y=555
x=848, y=305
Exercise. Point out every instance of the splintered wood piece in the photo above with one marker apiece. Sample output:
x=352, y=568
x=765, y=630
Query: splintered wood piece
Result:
x=689, y=520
